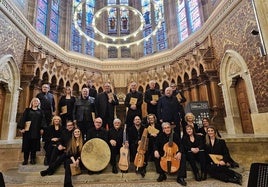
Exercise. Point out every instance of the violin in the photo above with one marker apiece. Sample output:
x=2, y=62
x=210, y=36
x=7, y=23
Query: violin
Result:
x=168, y=162
x=141, y=150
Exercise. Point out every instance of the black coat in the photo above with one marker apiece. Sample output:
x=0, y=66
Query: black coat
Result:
x=97, y=133
x=151, y=109
x=162, y=139
x=37, y=123
x=83, y=109
x=198, y=143
x=116, y=135
x=168, y=109
x=70, y=107
x=104, y=109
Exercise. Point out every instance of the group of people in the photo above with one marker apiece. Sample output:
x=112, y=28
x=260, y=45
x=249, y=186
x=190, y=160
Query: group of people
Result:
x=92, y=116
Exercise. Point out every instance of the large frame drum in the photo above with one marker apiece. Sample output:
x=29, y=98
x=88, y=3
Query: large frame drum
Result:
x=95, y=154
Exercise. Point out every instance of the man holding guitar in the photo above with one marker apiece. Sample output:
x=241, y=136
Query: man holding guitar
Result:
x=162, y=141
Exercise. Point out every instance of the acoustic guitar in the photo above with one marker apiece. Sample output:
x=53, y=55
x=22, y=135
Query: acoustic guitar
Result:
x=141, y=150
x=168, y=162
x=123, y=163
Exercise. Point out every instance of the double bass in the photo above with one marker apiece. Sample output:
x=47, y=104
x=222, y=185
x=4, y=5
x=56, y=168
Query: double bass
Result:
x=123, y=163
x=168, y=162
x=141, y=150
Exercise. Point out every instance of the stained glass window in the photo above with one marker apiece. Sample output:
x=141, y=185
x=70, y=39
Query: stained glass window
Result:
x=161, y=37
x=47, y=19
x=112, y=16
x=189, y=19
x=54, y=21
x=146, y=11
x=79, y=43
x=41, y=20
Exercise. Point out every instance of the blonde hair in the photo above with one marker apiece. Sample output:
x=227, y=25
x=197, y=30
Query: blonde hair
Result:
x=189, y=114
x=35, y=99
x=55, y=117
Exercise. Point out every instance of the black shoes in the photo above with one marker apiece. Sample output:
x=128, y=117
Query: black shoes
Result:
x=203, y=176
x=181, y=181
x=197, y=177
x=161, y=178
x=43, y=173
x=114, y=170
x=235, y=180
x=24, y=162
x=33, y=162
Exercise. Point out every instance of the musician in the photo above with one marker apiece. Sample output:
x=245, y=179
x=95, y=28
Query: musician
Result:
x=105, y=105
x=47, y=102
x=179, y=95
x=133, y=102
x=220, y=171
x=161, y=140
x=168, y=109
x=97, y=131
x=134, y=137
x=115, y=137
x=58, y=155
x=66, y=106
x=83, y=108
x=31, y=135
x=51, y=137
x=151, y=97
x=91, y=88
x=153, y=130
x=194, y=147
x=189, y=120
x=73, y=154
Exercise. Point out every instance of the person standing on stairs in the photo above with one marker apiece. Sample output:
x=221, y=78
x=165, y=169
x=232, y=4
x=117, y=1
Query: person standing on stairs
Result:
x=31, y=126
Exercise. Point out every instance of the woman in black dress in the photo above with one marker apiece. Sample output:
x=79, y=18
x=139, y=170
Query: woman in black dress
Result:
x=51, y=137
x=194, y=148
x=73, y=154
x=219, y=170
x=66, y=106
x=31, y=126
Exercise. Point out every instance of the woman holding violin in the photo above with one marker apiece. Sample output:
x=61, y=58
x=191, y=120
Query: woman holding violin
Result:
x=162, y=150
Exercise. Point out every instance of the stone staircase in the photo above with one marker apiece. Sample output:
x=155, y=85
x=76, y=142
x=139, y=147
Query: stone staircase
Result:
x=29, y=175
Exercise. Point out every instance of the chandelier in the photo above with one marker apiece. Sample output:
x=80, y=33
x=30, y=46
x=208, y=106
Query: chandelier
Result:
x=118, y=41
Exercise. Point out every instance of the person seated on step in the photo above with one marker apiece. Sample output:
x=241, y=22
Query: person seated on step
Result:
x=203, y=131
x=59, y=155
x=168, y=139
x=73, y=156
x=218, y=157
x=115, y=141
x=31, y=126
x=194, y=148
x=51, y=137
x=97, y=132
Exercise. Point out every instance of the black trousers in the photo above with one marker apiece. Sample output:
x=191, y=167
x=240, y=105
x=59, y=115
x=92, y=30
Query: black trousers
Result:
x=199, y=157
x=181, y=172
x=222, y=173
x=68, y=174
x=2, y=182
x=115, y=150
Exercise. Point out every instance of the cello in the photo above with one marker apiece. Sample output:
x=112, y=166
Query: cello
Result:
x=168, y=162
x=123, y=163
x=141, y=150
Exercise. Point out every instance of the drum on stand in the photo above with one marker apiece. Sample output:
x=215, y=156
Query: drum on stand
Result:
x=95, y=154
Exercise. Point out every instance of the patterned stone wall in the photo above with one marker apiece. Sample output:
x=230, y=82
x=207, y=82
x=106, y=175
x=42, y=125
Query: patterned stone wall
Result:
x=234, y=33
x=12, y=40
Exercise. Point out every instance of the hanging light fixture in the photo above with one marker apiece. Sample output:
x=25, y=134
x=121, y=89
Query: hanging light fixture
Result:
x=117, y=41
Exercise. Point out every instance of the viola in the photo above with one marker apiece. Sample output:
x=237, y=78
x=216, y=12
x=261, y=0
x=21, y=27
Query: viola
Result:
x=123, y=163
x=168, y=162
x=141, y=150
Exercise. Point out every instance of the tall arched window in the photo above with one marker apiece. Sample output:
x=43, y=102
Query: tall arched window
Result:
x=189, y=18
x=147, y=14
x=47, y=19
x=161, y=37
x=151, y=13
x=84, y=20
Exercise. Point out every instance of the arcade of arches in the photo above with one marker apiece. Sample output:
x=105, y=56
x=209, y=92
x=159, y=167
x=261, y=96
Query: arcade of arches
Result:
x=221, y=63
